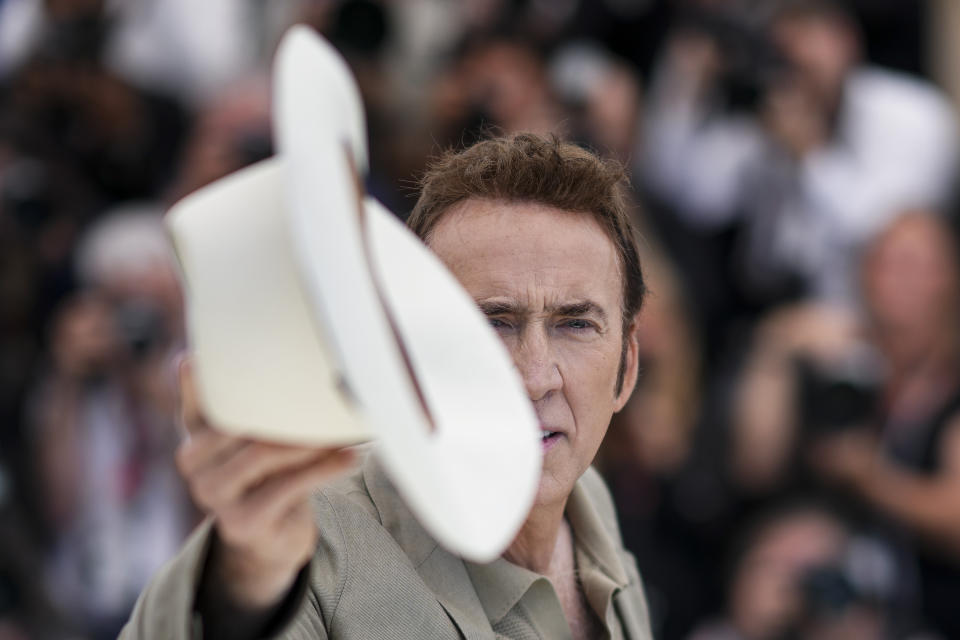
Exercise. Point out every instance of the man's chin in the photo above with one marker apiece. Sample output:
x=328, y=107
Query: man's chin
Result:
x=552, y=490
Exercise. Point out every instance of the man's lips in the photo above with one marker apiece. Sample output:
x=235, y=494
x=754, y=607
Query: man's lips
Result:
x=546, y=430
x=549, y=437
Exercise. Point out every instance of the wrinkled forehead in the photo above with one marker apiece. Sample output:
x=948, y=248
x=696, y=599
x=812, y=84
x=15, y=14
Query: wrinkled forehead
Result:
x=496, y=226
x=511, y=218
x=508, y=240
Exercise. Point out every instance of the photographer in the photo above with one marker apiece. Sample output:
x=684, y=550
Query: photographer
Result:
x=776, y=124
x=900, y=455
x=100, y=434
x=799, y=572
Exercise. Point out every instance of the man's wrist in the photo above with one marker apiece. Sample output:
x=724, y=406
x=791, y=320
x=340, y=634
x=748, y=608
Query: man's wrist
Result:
x=236, y=600
x=245, y=582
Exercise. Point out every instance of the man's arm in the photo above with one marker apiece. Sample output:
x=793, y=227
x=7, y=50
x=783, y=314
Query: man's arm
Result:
x=927, y=504
x=240, y=574
x=694, y=156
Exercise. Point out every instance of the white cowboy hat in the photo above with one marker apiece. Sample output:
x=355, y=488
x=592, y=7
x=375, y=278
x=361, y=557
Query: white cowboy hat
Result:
x=317, y=318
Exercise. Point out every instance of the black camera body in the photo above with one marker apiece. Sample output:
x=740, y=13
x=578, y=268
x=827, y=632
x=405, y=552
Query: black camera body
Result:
x=839, y=396
x=751, y=61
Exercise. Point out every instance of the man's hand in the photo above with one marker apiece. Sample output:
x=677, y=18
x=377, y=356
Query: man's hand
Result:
x=849, y=458
x=259, y=497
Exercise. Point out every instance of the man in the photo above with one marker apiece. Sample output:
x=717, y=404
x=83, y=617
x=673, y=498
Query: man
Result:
x=539, y=233
x=832, y=150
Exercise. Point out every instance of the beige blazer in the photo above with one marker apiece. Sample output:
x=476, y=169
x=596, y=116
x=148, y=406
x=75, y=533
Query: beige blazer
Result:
x=378, y=574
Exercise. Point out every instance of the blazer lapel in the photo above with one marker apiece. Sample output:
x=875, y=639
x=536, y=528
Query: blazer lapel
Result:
x=444, y=573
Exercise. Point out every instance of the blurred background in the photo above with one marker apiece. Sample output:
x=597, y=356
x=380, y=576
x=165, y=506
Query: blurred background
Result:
x=789, y=466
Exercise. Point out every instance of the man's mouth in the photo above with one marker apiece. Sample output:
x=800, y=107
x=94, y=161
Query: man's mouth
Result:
x=548, y=438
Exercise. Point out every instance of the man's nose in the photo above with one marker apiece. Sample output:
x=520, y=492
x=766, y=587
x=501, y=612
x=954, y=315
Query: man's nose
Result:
x=537, y=362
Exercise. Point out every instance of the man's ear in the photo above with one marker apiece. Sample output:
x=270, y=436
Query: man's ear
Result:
x=631, y=364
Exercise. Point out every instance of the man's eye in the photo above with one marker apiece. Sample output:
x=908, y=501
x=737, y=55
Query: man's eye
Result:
x=577, y=324
x=498, y=323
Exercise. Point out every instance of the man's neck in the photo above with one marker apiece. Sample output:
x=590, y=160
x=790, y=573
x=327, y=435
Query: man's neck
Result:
x=538, y=545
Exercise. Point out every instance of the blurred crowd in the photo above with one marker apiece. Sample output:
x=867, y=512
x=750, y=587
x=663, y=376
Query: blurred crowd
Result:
x=789, y=465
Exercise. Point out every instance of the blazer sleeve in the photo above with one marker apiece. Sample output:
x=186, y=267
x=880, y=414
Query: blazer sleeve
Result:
x=165, y=609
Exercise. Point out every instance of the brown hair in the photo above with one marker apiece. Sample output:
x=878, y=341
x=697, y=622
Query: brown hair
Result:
x=526, y=167
x=830, y=11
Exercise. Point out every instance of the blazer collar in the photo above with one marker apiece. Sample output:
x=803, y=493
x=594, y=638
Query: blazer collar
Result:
x=453, y=581
x=590, y=533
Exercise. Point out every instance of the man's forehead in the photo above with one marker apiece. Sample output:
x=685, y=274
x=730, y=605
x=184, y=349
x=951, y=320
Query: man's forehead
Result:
x=529, y=254
x=474, y=219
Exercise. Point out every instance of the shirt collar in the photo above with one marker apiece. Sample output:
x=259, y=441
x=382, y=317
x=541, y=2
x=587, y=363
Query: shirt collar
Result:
x=500, y=584
x=591, y=534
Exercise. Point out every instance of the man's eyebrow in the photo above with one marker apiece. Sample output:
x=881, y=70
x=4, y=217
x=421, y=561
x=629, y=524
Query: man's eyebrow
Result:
x=579, y=309
x=497, y=307
x=576, y=309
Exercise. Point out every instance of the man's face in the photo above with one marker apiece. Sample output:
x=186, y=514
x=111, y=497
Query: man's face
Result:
x=549, y=282
x=821, y=50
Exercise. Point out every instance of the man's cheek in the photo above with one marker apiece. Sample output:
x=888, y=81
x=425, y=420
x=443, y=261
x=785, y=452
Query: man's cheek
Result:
x=592, y=363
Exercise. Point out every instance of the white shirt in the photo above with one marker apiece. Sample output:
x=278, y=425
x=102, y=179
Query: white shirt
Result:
x=895, y=148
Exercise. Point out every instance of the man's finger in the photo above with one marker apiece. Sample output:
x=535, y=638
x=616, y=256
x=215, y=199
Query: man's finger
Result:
x=207, y=449
x=277, y=503
x=249, y=467
x=264, y=508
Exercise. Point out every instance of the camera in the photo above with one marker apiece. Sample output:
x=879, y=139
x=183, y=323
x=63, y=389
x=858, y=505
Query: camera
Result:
x=751, y=63
x=141, y=328
x=841, y=395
